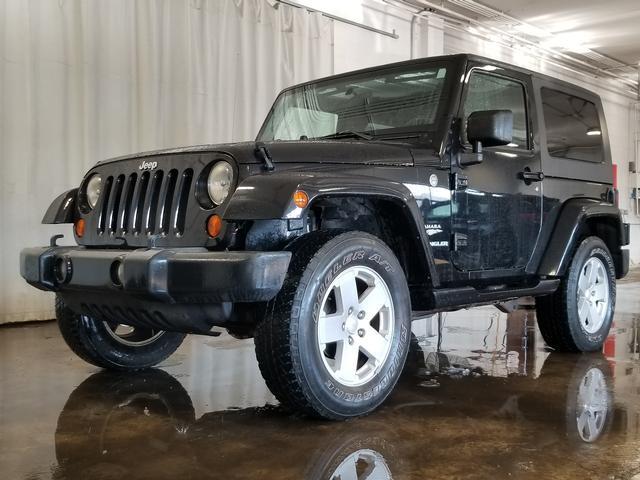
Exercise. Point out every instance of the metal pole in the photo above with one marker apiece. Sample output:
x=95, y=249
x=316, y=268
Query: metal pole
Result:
x=391, y=34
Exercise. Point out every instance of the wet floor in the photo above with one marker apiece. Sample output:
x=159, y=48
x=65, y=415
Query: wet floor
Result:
x=480, y=398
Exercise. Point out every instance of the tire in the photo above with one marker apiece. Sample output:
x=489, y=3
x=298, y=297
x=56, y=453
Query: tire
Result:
x=99, y=344
x=352, y=375
x=561, y=316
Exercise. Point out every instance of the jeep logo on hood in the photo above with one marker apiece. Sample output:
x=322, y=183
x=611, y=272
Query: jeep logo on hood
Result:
x=147, y=165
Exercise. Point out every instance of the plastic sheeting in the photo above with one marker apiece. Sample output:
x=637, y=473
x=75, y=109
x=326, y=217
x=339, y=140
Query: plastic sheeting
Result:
x=82, y=81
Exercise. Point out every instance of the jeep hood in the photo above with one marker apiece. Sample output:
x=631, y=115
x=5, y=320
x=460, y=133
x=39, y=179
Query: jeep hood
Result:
x=318, y=151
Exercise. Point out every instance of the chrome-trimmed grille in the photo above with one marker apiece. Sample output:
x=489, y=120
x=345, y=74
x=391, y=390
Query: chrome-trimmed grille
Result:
x=149, y=203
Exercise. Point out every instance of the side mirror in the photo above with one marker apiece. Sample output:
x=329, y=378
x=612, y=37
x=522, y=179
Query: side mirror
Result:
x=490, y=128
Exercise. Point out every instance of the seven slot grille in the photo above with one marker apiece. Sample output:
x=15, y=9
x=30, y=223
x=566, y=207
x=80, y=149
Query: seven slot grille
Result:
x=147, y=203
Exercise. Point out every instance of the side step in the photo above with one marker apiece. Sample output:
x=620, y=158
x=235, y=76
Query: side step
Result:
x=468, y=296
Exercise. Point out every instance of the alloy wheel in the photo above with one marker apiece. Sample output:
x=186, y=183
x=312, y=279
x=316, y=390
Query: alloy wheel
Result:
x=355, y=326
x=132, y=336
x=593, y=295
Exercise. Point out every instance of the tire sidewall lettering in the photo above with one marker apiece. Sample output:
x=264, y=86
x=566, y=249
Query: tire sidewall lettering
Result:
x=333, y=271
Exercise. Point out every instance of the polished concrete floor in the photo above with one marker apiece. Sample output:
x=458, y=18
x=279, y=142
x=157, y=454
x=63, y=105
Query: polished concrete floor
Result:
x=480, y=398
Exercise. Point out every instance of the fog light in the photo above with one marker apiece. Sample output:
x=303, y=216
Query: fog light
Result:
x=62, y=269
x=117, y=273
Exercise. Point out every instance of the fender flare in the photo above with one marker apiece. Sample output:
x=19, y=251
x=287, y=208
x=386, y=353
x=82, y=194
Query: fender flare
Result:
x=62, y=209
x=268, y=197
x=568, y=227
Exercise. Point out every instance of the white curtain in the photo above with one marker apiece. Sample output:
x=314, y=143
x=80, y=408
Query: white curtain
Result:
x=84, y=80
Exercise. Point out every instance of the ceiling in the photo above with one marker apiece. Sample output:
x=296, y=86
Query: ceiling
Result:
x=611, y=27
x=600, y=35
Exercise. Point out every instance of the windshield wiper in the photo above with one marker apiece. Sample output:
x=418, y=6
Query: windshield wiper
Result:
x=347, y=134
x=264, y=155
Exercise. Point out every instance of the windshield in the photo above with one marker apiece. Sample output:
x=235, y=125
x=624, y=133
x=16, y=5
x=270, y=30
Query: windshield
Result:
x=395, y=101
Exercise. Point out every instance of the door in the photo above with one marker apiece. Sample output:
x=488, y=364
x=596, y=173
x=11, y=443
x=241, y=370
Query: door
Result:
x=497, y=204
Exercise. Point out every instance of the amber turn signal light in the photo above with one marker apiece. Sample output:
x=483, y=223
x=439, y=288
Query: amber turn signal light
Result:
x=214, y=225
x=79, y=227
x=300, y=198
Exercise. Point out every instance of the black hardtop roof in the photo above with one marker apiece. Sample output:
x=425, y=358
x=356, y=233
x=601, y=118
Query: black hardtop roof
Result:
x=458, y=57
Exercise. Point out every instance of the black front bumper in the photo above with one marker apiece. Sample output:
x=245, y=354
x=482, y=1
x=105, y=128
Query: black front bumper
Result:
x=182, y=289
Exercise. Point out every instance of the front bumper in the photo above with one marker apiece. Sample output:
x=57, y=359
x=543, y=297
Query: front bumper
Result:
x=181, y=290
x=162, y=275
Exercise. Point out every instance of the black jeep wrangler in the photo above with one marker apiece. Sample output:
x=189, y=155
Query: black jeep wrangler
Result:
x=367, y=199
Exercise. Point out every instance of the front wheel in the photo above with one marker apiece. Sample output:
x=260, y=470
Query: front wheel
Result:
x=335, y=339
x=114, y=346
x=578, y=316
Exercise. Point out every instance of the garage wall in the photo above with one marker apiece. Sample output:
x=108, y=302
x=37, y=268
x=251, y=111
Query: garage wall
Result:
x=82, y=81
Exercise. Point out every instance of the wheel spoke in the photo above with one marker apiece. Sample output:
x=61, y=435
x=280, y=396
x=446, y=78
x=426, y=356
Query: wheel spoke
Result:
x=601, y=292
x=347, y=293
x=594, y=314
x=599, y=417
x=371, y=471
x=330, y=328
x=373, y=300
x=583, y=282
x=374, y=471
x=592, y=389
x=374, y=344
x=582, y=421
x=348, y=470
x=593, y=273
x=583, y=309
x=591, y=426
x=347, y=360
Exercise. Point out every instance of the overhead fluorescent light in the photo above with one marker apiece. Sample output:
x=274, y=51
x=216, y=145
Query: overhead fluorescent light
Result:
x=531, y=30
x=567, y=41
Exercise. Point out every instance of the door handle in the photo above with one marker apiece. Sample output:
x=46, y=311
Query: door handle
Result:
x=528, y=176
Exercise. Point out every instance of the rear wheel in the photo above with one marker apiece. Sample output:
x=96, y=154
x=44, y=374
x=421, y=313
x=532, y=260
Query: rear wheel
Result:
x=112, y=345
x=578, y=316
x=335, y=339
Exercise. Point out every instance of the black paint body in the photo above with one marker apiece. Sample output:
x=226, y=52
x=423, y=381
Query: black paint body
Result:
x=467, y=231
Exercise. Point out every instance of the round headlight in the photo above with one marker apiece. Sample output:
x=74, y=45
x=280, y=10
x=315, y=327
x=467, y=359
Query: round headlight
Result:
x=94, y=187
x=219, y=182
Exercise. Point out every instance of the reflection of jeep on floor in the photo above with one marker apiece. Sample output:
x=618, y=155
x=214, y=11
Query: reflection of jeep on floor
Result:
x=366, y=199
x=145, y=423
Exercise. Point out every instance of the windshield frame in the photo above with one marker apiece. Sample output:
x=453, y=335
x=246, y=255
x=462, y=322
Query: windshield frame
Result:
x=442, y=117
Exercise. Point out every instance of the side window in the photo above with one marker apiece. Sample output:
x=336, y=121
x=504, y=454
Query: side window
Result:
x=573, y=126
x=490, y=92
